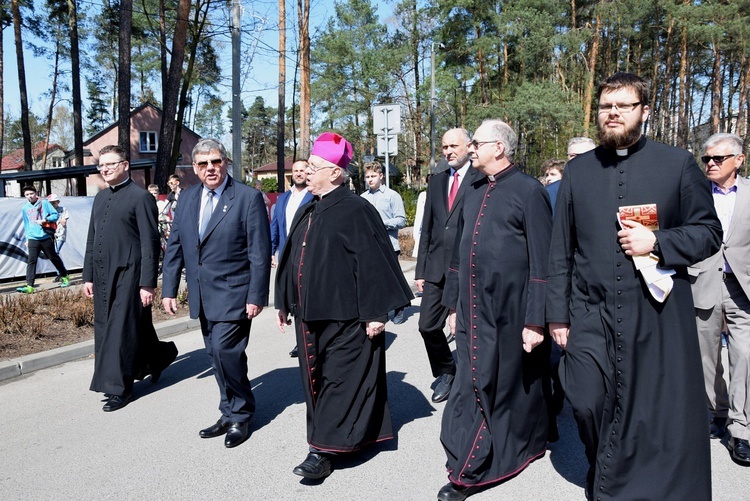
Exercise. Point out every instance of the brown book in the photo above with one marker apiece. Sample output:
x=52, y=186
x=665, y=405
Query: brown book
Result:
x=644, y=214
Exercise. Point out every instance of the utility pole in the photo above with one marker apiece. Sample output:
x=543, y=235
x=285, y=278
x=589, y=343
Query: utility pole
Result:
x=282, y=98
x=432, y=108
x=237, y=170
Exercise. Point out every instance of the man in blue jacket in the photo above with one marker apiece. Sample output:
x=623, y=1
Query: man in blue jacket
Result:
x=220, y=236
x=38, y=216
x=286, y=207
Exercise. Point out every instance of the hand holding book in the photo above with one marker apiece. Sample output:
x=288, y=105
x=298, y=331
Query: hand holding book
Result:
x=637, y=224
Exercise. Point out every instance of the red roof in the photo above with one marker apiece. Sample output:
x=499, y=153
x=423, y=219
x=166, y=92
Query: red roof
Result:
x=271, y=167
x=14, y=159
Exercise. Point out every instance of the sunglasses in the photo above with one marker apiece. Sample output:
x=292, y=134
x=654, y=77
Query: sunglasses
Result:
x=718, y=159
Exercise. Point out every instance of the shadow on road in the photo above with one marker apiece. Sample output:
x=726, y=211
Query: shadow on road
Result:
x=567, y=454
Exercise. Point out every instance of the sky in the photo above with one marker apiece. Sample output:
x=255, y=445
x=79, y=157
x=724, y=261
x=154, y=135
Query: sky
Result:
x=263, y=44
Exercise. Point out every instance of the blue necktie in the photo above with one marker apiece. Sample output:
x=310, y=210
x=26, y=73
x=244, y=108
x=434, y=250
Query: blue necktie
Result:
x=207, y=211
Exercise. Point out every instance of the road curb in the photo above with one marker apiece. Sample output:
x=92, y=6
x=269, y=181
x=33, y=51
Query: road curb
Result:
x=21, y=366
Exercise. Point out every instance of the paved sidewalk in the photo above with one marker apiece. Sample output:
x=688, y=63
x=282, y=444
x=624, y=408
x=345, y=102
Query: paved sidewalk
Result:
x=58, y=444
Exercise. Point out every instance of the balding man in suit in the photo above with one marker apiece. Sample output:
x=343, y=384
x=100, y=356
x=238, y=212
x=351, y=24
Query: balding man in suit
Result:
x=445, y=194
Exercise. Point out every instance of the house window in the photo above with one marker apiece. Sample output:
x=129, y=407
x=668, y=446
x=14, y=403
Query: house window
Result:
x=148, y=142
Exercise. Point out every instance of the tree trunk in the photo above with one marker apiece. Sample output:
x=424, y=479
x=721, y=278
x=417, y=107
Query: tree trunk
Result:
x=589, y=93
x=55, y=72
x=682, y=125
x=75, y=84
x=418, y=110
x=2, y=101
x=28, y=159
x=123, y=77
x=303, y=16
x=282, y=97
x=163, y=51
x=664, y=83
x=167, y=129
x=716, y=89
x=198, y=24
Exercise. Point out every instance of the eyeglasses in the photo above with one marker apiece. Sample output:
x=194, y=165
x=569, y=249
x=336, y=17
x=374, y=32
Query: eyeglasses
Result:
x=112, y=165
x=622, y=108
x=315, y=169
x=216, y=162
x=476, y=144
x=718, y=159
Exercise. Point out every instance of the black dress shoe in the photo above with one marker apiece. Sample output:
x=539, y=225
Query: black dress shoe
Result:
x=453, y=492
x=115, y=402
x=443, y=386
x=717, y=427
x=294, y=353
x=315, y=466
x=236, y=434
x=740, y=450
x=215, y=430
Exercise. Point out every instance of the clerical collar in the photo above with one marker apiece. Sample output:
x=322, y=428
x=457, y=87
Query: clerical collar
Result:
x=623, y=152
x=493, y=177
x=115, y=187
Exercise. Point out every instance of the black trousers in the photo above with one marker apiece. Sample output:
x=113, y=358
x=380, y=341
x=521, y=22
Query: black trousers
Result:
x=47, y=246
x=225, y=345
x=432, y=316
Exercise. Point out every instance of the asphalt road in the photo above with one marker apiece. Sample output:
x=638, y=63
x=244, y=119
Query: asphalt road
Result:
x=56, y=443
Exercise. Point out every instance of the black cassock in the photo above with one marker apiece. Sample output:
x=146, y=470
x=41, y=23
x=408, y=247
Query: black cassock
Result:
x=495, y=420
x=122, y=255
x=336, y=272
x=632, y=368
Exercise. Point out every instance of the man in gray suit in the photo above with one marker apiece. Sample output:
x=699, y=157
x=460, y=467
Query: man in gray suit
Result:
x=721, y=289
x=222, y=238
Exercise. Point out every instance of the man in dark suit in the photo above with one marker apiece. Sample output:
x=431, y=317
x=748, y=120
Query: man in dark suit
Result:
x=286, y=207
x=445, y=194
x=221, y=236
x=721, y=292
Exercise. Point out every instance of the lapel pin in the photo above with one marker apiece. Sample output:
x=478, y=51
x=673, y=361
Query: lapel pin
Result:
x=225, y=209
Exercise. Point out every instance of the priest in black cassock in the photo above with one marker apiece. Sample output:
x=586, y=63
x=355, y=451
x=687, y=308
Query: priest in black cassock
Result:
x=339, y=278
x=495, y=421
x=119, y=272
x=632, y=368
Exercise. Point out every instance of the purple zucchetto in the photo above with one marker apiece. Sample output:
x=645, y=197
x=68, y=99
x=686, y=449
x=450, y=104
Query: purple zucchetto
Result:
x=334, y=148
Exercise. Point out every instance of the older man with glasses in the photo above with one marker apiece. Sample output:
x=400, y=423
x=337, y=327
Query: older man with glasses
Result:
x=339, y=278
x=220, y=236
x=721, y=291
x=495, y=420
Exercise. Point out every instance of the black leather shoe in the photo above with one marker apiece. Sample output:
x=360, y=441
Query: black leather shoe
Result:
x=116, y=402
x=236, y=434
x=717, y=427
x=740, y=450
x=218, y=429
x=315, y=466
x=443, y=386
x=294, y=353
x=453, y=492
